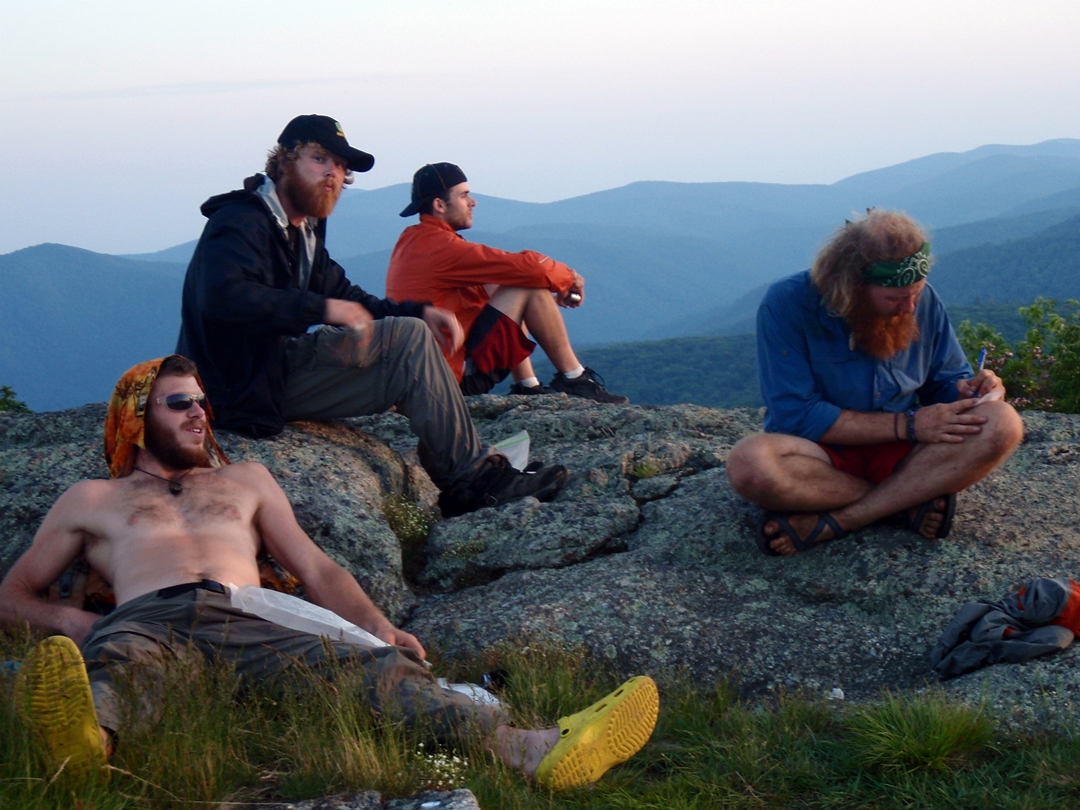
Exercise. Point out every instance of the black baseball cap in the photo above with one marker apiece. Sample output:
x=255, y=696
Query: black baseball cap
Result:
x=431, y=181
x=327, y=133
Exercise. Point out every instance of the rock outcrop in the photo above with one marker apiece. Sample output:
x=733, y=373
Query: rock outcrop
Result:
x=647, y=558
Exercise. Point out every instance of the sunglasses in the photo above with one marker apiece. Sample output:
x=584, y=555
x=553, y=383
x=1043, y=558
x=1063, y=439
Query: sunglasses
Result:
x=182, y=402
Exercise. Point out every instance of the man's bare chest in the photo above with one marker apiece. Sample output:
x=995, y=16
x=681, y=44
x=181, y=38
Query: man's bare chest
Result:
x=204, y=503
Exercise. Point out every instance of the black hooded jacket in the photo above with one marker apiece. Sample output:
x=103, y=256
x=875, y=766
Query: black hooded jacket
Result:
x=242, y=301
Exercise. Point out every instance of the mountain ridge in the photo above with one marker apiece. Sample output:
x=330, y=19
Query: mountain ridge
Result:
x=661, y=259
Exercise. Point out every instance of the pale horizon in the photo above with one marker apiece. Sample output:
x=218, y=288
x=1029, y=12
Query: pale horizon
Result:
x=145, y=112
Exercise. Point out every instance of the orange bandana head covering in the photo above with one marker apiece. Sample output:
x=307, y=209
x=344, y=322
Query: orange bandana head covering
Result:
x=125, y=423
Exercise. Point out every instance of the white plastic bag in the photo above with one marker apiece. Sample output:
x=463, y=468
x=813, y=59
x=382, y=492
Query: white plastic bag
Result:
x=516, y=449
x=299, y=614
x=477, y=693
x=305, y=617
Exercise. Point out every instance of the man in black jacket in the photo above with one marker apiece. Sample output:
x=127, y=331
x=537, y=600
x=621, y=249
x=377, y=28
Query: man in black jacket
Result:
x=260, y=277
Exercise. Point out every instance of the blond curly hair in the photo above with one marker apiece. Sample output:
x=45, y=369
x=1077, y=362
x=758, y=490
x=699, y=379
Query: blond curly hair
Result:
x=880, y=236
x=279, y=155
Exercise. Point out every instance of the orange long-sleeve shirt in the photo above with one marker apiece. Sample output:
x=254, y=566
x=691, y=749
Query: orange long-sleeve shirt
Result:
x=432, y=263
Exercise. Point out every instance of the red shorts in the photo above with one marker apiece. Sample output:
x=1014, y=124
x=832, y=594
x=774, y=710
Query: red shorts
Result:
x=871, y=462
x=495, y=346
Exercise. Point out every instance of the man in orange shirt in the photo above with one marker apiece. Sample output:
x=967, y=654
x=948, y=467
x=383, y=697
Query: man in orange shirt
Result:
x=495, y=294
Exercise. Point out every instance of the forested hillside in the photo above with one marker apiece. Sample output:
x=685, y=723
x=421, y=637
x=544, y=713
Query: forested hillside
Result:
x=719, y=372
x=1046, y=264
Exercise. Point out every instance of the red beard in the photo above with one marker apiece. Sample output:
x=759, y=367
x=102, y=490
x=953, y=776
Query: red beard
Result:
x=311, y=200
x=169, y=452
x=881, y=336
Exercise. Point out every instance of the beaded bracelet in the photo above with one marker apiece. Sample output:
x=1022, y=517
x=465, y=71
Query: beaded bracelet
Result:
x=911, y=426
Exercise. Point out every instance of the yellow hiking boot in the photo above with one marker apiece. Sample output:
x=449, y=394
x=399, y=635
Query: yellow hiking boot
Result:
x=609, y=732
x=55, y=696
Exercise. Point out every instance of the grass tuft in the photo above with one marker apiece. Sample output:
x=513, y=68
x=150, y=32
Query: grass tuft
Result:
x=646, y=468
x=411, y=525
x=184, y=729
x=924, y=732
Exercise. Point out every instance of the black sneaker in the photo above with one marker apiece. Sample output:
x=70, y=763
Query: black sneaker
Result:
x=498, y=482
x=517, y=389
x=589, y=385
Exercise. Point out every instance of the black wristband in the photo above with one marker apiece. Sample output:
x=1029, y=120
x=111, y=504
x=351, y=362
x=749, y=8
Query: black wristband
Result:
x=911, y=426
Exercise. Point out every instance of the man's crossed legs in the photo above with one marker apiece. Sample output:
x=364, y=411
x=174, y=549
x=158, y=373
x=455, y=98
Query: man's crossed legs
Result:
x=796, y=477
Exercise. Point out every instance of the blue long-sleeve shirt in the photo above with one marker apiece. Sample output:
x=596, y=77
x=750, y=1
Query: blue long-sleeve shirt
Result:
x=809, y=372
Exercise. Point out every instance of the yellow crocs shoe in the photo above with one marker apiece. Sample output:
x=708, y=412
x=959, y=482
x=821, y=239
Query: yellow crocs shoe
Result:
x=55, y=697
x=609, y=732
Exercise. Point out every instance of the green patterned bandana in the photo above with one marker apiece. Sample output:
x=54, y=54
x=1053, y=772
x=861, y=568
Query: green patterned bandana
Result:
x=902, y=273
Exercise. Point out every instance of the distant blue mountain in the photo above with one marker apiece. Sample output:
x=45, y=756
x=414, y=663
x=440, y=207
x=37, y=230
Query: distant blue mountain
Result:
x=990, y=181
x=756, y=231
x=998, y=230
x=1067, y=199
x=1046, y=264
x=179, y=254
x=660, y=259
x=72, y=321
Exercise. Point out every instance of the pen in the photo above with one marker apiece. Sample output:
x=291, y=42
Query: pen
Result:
x=982, y=362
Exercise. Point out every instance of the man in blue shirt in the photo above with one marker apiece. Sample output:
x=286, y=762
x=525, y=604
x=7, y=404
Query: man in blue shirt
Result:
x=872, y=408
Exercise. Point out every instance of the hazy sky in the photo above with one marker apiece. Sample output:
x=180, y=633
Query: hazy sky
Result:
x=117, y=119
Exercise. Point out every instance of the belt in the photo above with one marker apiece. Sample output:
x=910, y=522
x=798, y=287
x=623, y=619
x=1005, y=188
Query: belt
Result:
x=202, y=585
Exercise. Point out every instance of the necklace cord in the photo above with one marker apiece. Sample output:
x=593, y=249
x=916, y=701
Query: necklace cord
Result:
x=175, y=487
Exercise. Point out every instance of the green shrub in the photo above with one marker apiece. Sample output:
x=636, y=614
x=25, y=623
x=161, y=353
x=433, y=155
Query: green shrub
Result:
x=1042, y=371
x=8, y=402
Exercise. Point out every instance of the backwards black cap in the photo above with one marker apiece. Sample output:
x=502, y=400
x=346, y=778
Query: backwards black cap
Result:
x=327, y=133
x=431, y=181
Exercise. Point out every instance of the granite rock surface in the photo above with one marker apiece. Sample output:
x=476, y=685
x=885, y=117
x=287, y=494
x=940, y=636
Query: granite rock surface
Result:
x=647, y=558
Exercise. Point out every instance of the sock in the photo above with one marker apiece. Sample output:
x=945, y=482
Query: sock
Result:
x=529, y=382
x=573, y=374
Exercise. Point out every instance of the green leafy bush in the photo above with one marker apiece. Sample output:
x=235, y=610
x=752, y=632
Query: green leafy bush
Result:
x=8, y=402
x=1040, y=371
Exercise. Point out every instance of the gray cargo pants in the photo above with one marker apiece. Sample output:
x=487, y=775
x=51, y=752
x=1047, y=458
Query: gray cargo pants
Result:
x=150, y=631
x=333, y=373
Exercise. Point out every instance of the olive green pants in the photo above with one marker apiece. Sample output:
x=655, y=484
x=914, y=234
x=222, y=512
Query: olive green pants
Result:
x=333, y=373
x=147, y=633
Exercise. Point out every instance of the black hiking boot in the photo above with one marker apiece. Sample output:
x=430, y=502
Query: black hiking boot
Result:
x=517, y=389
x=589, y=385
x=498, y=482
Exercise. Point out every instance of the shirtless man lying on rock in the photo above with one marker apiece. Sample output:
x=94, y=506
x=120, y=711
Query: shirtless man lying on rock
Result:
x=174, y=522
